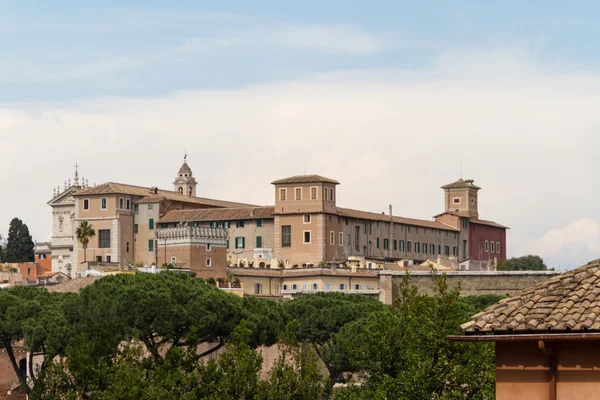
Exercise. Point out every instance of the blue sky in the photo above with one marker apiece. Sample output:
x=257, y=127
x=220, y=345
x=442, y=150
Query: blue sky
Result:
x=65, y=50
x=387, y=97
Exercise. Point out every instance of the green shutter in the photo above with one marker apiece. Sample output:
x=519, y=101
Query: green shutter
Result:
x=150, y=244
x=259, y=223
x=227, y=243
x=151, y=223
x=243, y=243
x=259, y=242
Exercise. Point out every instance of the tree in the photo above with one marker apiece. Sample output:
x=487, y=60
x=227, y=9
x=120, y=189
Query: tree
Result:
x=84, y=232
x=321, y=315
x=525, y=263
x=19, y=246
x=403, y=352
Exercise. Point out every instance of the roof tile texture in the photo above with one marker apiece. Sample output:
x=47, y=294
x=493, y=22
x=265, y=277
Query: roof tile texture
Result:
x=567, y=302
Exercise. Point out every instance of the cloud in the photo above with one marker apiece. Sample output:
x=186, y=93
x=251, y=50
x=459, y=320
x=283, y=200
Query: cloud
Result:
x=568, y=246
x=528, y=137
x=331, y=38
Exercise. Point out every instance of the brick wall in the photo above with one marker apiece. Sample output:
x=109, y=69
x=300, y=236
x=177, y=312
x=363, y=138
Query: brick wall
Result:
x=194, y=257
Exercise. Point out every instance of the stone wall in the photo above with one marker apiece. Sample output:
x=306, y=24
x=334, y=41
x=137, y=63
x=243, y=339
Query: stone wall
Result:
x=471, y=282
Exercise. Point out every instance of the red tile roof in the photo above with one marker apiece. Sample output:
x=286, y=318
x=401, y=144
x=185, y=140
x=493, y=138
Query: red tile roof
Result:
x=282, y=273
x=120, y=188
x=305, y=179
x=218, y=214
x=347, y=212
x=569, y=302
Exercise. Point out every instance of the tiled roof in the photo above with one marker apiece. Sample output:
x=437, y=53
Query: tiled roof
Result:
x=460, y=184
x=569, y=302
x=286, y=273
x=218, y=214
x=488, y=223
x=347, y=212
x=150, y=199
x=305, y=179
x=120, y=188
x=73, y=285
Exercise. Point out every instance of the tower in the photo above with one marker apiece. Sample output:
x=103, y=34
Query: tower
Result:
x=184, y=182
x=461, y=197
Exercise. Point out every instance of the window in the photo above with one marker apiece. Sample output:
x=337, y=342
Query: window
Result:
x=208, y=262
x=127, y=247
x=332, y=238
x=331, y=193
x=135, y=228
x=298, y=193
x=492, y=245
x=357, y=286
x=456, y=200
x=173, y=260
x=121, y=203
x=408, y=246
x=259, y=242
x=136, y=208
x=402, y=245
x=240, y=242
x=284, y=287
x=103, y=201
x=227, y=243
x=487, y=246
x=226, y=224
x=368, y=286
x=325, y=191
x=439, y=249
x=465, y=223
x=327, y=286
x=455, y=251
x=239, y=223
x=151, y=223
x=214, y=224
x=108, y=259
x=294, y=286
x=395, y=244
x=341, y=239
x=286, y=236
x=99, y=258
x=386, y=244
x=315, y=286
x=86, y=204
x=313, y=193
x=150, y=245
x=258, y=288
x=282, y=194
x=408, y=229
x=424, y=248
x=258, y=223
x=417, y=247
x=307, y=218
x=472, y=200
x=377, y=242
x=432, y=248
x=342, y=286
x=304, y=287
x=104, y=238
x=150, y=206
x=498, y=247
x=447, y=251
x=128, y=204
x=306, y=237
x=208, y=247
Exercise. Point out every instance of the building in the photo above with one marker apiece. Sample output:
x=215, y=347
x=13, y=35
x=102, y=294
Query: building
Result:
x=125, y=218
x=63, y=224
x=306, y=228
x=547, y=338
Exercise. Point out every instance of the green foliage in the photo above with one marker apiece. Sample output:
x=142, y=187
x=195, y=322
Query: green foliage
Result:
x=403, y=352
x=525, y=263
x=19, y=246
x=84, y=233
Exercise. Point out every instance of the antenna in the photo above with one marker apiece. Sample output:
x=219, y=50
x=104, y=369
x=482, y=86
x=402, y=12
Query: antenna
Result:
x=461, y=169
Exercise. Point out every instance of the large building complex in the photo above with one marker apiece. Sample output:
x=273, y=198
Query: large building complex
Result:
x=304, y=228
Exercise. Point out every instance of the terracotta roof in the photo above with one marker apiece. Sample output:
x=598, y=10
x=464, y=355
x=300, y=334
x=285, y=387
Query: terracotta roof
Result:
x=569, y=302
x=150, y=199
x=347, y=212
x=73, y=285
x=305, y=179
x=461, y=184
x=218, y=214
x=120, y=188
x=286, y=273
x=489, y=223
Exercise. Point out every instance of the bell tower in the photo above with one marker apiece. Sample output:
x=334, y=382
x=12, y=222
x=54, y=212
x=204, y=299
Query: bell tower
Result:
x=184, y=182
x=461, y=197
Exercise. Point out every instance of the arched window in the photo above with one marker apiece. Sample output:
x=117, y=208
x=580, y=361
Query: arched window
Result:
x=180, y=189
x=189, y=191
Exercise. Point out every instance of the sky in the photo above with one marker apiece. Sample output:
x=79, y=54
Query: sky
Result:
x=392, y=98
